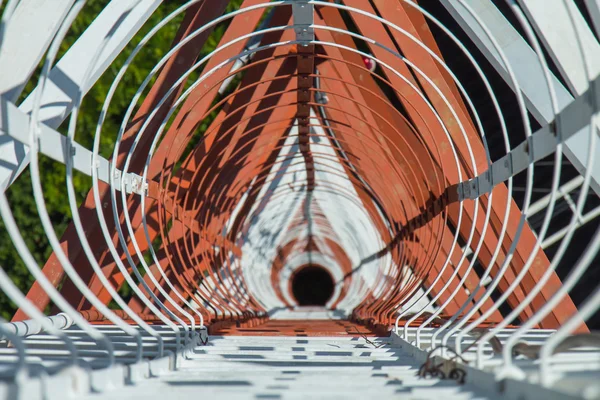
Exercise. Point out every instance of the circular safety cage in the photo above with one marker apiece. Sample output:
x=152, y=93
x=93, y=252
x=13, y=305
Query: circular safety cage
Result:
x=199, y=196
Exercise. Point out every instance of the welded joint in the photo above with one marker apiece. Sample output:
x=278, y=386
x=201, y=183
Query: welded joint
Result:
x=135, y=184
x=117, y=178
x=466, y=186
x=460, y=195
x=304, y=18
x=476, y=187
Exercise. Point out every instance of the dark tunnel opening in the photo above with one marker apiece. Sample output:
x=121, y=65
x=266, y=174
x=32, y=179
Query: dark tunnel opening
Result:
x=312, y=286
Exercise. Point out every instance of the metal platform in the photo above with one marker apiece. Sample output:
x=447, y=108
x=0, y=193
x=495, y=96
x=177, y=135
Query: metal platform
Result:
x=269, y=361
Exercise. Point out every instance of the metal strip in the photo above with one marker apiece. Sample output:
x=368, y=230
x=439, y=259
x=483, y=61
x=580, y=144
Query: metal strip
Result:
x=15, y=123
x=569, y=122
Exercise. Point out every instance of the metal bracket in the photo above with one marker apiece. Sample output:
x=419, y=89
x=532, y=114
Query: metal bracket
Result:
x=304, y=18
x=134, y=184
x=117, y=178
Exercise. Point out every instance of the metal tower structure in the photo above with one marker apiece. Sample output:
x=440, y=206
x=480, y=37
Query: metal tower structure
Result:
x=302, y=198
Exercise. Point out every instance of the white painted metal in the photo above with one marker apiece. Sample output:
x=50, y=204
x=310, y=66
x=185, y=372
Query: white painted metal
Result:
x=55, y=145
x=119, y=21
x=22, y=49
x=32, y=327
x=568, y=39
x=572, y=123
x=297, y=368
x=527, y=69
x=290, y=367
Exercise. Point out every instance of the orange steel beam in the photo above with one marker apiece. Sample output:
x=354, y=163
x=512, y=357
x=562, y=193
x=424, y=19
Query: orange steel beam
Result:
x=230, y=135
x=174, y=139
x=201, y=175
x=429, y=66
x=337, y=22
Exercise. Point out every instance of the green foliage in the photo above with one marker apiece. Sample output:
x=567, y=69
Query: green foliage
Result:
x=52, y=173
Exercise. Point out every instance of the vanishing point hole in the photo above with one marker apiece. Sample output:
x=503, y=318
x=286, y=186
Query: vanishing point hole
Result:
x=312, y=286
